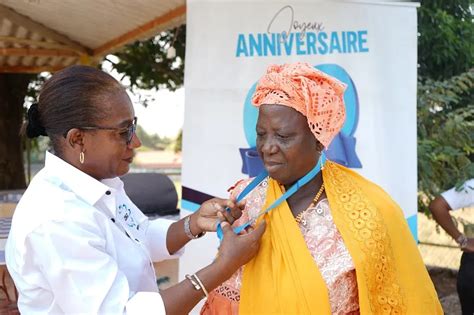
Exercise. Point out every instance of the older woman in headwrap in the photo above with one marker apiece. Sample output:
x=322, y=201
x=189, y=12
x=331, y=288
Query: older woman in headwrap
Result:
x=338, y=245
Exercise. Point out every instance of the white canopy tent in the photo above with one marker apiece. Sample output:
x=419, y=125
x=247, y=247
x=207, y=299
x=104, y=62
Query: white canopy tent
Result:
x=47, y=35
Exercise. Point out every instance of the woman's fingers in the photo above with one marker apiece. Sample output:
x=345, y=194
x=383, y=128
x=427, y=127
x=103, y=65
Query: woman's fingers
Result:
x=230, y=209
x=235, y=209
x=218, y=210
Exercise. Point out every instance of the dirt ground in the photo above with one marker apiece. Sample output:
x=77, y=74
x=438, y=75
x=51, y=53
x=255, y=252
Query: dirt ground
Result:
x=442, y=256
x=444, y=280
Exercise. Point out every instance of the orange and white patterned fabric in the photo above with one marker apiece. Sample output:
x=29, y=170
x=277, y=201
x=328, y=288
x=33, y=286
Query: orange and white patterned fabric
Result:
x=316, y=95
x=308, y=268
x=325, y=245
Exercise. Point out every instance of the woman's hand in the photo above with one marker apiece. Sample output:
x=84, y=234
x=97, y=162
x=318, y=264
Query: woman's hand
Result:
x=214, y=211
x=470, y=246
x=237, y=250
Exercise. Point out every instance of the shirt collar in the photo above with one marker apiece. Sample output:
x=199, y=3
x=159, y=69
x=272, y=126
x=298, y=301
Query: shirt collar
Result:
x=114, y=183
x=83, y=185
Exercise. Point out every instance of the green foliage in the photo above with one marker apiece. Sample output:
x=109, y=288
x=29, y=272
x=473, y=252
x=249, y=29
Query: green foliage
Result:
x=178, y=143
x=445, y=97
x=38, y=148
x=446, y=41
x=445, y=135
x=146, y=64
x=152, y=141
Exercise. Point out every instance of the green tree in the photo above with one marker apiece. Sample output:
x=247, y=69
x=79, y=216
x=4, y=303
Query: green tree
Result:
x=178, y=144
x=445, y=135
x=154, y=141
x=145, y=62
x=147, y=65
x=446, y=41
x=445, y=97
x=13, y=90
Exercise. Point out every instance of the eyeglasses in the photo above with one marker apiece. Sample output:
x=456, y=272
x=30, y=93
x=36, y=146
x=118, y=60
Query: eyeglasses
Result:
x=126, y=132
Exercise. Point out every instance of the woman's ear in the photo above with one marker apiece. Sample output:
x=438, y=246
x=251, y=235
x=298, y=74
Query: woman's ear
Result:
x=75, y=137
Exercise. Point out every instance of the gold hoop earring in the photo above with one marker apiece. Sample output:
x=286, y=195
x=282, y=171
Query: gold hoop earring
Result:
x=81, y=157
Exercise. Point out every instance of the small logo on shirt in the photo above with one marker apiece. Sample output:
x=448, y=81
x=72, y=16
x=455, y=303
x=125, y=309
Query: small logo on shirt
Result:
x=126, y=213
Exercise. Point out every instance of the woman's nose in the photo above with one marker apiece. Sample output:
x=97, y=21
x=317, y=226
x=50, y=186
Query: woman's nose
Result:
x=135, y=143
x=269, y=146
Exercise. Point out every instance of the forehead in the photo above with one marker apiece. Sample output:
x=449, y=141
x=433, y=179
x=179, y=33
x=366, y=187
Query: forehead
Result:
x=119, y=109
x=281, y=116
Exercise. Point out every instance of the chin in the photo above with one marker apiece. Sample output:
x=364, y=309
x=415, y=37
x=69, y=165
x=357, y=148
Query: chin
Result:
x=283, y=180
x=123, y=170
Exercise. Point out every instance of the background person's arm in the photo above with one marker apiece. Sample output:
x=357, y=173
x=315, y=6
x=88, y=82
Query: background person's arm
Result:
x=440, y=210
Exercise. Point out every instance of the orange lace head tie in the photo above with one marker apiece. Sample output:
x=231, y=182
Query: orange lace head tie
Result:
x=313, y=93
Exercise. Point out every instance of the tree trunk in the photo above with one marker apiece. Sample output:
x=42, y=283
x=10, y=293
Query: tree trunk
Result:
x=13, y=89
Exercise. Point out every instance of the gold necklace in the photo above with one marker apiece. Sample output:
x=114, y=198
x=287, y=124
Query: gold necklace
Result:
x=313, y=203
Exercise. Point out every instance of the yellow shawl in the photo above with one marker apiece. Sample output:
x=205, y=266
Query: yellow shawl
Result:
x=391, y=277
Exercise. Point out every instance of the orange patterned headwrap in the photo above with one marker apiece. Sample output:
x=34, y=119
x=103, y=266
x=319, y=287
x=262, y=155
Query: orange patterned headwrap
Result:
x=311, y=92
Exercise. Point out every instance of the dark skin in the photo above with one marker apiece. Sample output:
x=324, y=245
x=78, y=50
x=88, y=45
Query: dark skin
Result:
x=289, y=150
x=440, y=210
x=107, y=155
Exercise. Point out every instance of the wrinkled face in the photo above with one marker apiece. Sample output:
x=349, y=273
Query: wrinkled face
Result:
x=107, y=153
x=285, y=143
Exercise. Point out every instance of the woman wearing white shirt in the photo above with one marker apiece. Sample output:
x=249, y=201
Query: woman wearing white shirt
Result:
x=78, y=245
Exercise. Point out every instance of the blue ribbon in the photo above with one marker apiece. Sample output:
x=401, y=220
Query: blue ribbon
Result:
x=257, y=180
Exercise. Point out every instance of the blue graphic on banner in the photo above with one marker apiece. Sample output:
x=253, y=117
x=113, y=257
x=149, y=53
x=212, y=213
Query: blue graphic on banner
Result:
x=342, y=148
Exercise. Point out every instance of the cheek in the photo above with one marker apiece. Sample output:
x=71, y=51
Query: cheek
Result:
x=116, y=156
x=259, y=145
x=120, y=167
x=291, y=157
x=120, y=156
x=297, y=155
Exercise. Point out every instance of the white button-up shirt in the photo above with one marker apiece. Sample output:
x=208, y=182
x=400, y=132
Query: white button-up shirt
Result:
x=80, y=246
x=462, y=198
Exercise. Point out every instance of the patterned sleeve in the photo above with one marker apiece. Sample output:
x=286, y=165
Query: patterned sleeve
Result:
x=234, y=193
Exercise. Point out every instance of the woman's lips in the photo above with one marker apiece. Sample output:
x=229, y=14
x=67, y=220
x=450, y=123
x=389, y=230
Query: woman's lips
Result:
x=271, y=166
x=129, y=160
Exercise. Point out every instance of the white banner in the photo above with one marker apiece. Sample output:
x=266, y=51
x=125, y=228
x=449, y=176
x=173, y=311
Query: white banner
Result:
x=369, y=46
